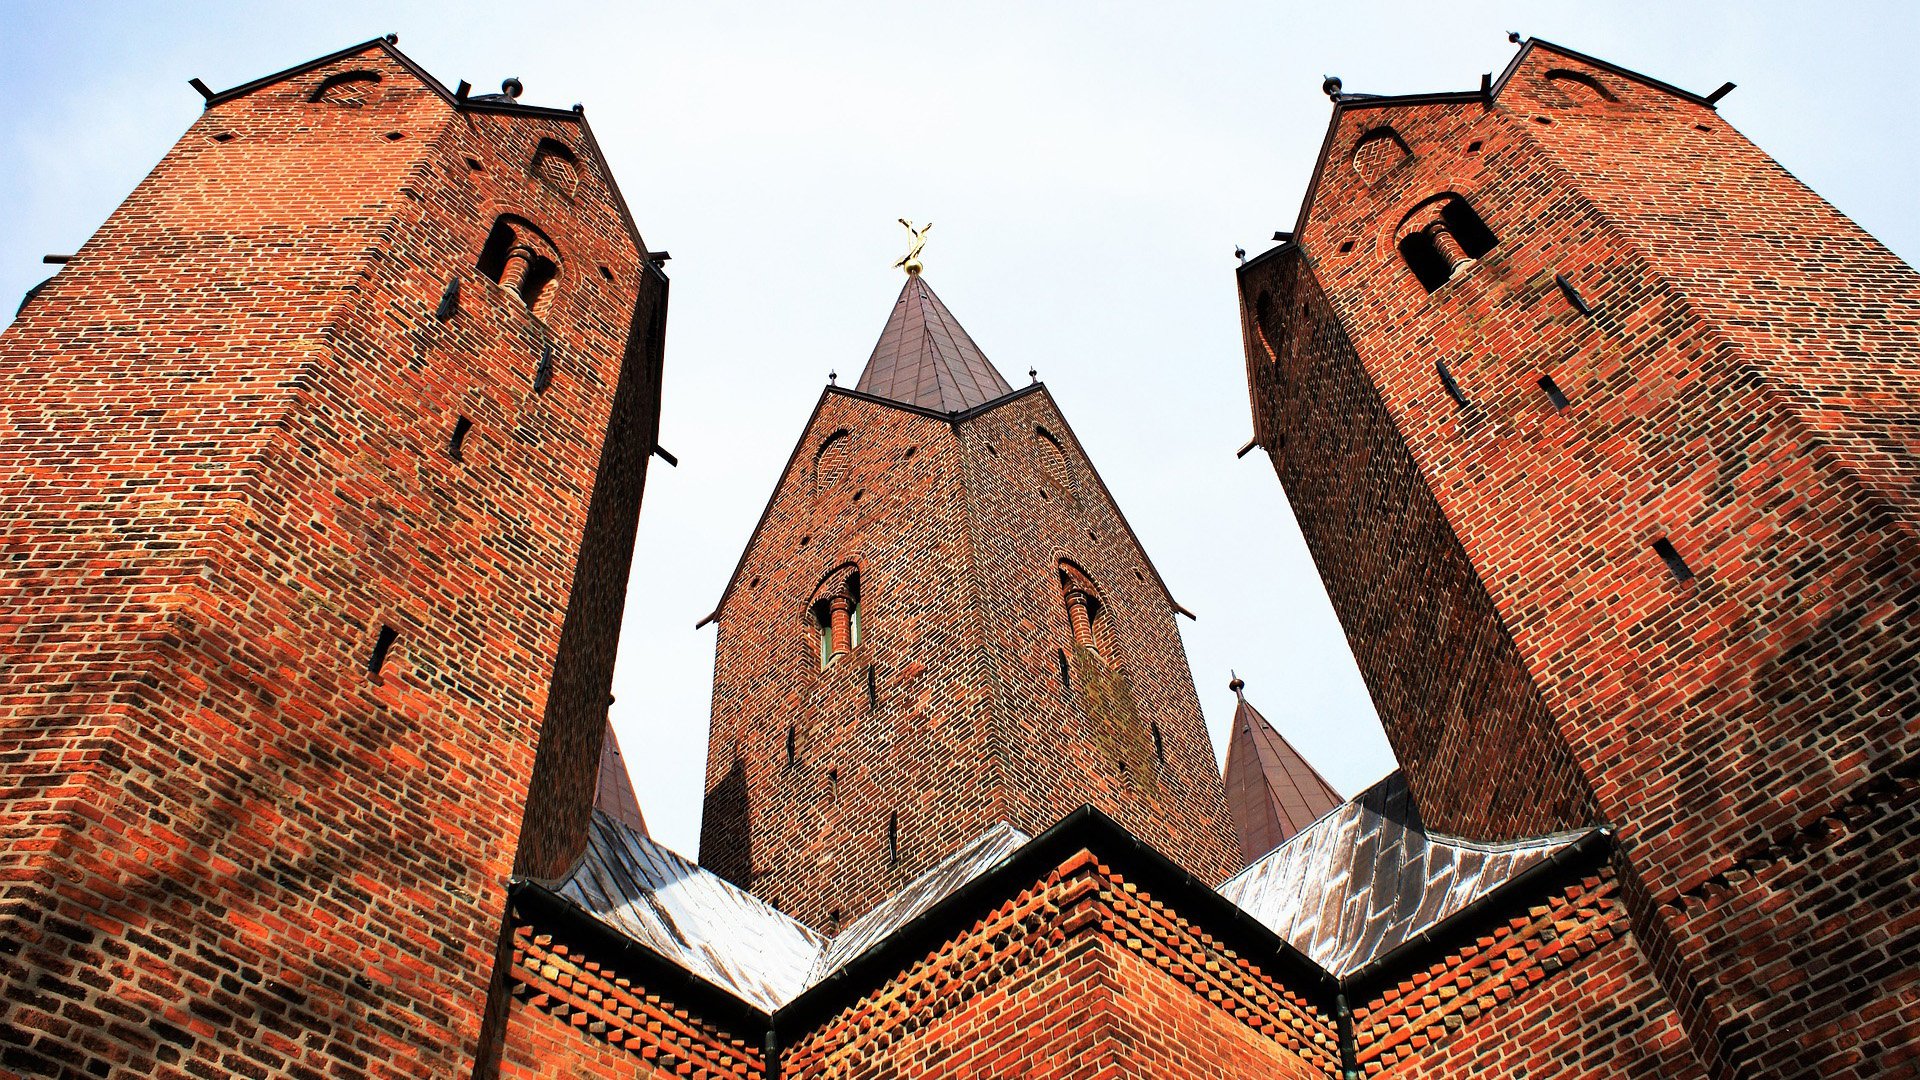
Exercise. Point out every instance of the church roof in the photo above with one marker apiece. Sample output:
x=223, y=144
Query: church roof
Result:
x=924, y=357
x=726, y=936
x=1367, y=878
x=1271, y=789
x=1333, y=902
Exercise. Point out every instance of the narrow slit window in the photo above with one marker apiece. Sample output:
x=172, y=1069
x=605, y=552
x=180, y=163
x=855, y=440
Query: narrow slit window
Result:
x=543, y=373
x=381, y=646
x=1066, y=682
x=873, y=689
x=457, y=445
x=793, y=745
x=1554, y=393
x=1665, y=549
x=1446, y=380
x=1572, y=294
x=893, y=839
x=449, y=299
x=1159, y=745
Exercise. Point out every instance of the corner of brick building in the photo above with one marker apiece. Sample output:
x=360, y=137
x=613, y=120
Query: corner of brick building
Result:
x=221, y=771
x=1717, y=403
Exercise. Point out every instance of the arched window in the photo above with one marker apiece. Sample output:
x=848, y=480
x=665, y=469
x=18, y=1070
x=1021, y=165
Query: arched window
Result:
x=1441, y=237
x=522, y=260
x=1086, y=611
x=1378, y=153
x=555, y=166
x=830, y=461
x=1264, y=328
x=836, y=614
x=349, y=88
x=1579, y=87
x=1053, y=461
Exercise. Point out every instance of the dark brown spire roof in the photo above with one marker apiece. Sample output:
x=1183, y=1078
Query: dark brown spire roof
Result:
x=613, y=795
x=1271, y=789
x=924, y=358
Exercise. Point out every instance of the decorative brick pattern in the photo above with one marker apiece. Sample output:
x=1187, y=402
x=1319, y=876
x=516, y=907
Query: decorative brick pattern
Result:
x=1557, y=989
x=570, y=1011
x=226, y=848
x=1075, y=976
x=950, y=712
x=1739, y=387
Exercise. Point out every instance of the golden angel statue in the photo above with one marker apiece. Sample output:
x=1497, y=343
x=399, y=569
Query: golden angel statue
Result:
x=910, y=262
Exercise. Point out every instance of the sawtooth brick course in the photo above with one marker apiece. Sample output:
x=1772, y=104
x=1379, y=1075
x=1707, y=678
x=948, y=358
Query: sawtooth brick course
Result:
x=1555, y=988
x=1080, y=976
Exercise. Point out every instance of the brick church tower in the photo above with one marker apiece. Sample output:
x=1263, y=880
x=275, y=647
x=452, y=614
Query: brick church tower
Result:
x=942, y=621
x=319, y=469
x=1604, y=432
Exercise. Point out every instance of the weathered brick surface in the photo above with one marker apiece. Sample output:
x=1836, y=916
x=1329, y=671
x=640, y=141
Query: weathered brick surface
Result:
x=957, y=531
x=1742, y=387
x=226, y=849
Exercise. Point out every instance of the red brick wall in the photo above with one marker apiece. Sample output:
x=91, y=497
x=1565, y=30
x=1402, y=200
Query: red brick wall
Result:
x=1557, y=989
x=223, y=468
x=572, y=1016
x=1436, y=656
x=1082, y=975
x=1739, y=390
x=963, y=622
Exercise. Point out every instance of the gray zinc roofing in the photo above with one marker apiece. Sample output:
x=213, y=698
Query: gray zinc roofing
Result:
x=727, y=936
x=1367, y=877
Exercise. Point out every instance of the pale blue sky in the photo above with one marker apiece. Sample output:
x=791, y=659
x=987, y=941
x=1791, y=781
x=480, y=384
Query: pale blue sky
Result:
x=1090, y=168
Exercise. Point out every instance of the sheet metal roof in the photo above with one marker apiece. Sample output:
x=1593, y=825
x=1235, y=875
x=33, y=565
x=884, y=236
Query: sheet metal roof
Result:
x=1353, y=886
x=920, y=894
x=690, y=916
x=1367, y=877
x=925, y=358
x=731, y=938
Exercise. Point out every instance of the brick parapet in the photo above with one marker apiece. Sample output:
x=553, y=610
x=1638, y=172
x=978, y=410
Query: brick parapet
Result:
x=1081, y=914
x=1553, y=984
x=594, y=1003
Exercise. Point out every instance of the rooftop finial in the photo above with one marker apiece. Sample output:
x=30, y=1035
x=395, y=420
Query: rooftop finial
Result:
x=1237, y=684
x=833, y=378
x=512, y=87
x=1331, y=87
x=910, y=262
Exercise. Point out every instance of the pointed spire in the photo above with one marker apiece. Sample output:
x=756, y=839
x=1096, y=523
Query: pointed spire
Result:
x=613, y=795
x=1271, y=789
x=924, y=358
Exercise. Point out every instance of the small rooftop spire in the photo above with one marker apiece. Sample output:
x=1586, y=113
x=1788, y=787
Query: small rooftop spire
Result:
x=1238, y=684
x=924, y=358
x=1272, y=791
